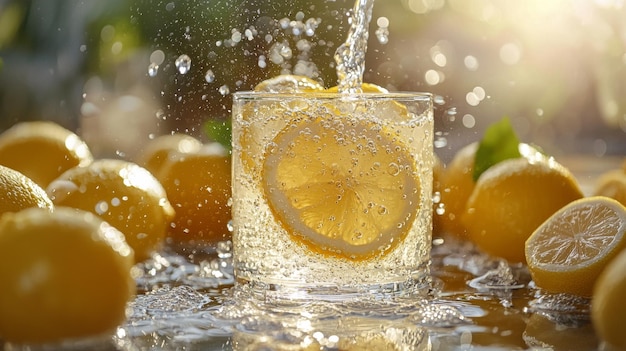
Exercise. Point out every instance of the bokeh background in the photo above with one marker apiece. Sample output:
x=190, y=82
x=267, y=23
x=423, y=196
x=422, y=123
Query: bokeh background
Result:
x=123, y=71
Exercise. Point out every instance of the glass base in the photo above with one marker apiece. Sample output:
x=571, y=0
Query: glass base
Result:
x=417, y=286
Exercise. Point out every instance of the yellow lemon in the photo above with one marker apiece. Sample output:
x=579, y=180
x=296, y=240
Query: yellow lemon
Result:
x=124, y=194
x=567, y=253
x=456, y=186
x=157, y=151
x=18, y=192
x=65, y=274
x=198, y=186
x=42, y=150
x=288, y=83
x=612, y=184
x=511, y=199
x=607, y=304
x=346, y=188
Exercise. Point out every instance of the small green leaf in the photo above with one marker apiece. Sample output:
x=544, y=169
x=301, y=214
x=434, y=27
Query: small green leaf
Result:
x=499, y=143
x=219, y=130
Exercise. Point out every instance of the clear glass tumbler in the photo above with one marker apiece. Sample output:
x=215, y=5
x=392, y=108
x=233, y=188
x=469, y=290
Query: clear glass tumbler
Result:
x=332, y=193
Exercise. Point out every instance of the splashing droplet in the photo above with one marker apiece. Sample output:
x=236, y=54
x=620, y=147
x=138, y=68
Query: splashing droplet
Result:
x=209, y=76
x=153, y=69
x=224, y=90
x=183, y=64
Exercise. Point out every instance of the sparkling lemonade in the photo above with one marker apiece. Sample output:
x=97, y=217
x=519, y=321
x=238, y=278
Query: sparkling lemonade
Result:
x=332, y=191
x=332, y=188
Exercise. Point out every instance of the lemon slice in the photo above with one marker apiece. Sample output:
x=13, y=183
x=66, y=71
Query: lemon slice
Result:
x=345, y=188
x=288, y=83
x=567, y=253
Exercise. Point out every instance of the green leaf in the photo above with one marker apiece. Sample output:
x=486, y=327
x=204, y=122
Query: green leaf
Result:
x=498, y=144
x=219, y=130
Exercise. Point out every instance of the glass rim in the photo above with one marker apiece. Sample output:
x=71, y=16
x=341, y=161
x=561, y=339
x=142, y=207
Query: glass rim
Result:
x=324, y=95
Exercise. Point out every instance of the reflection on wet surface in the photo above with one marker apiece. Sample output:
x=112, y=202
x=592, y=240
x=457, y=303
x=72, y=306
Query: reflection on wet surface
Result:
x=476, y=302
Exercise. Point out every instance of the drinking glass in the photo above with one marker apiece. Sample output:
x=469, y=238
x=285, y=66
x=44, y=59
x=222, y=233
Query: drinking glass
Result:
x=332, y=193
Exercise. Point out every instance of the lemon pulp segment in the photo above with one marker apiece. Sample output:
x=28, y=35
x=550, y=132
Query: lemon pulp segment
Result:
x=343, y=187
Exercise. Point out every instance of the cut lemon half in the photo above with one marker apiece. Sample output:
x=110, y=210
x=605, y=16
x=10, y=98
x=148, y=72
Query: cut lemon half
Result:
x=345, y=188
x=567, y=253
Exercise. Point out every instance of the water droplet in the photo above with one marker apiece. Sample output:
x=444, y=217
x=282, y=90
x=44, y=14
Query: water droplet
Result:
x=382, y=34
x=441, y=142
x=101, y=207
x=209, y=76
x=183, y=64
x=261, y=62
x=440, y=209
x=153, y=69
x=224, y=90
x=236, y=36
x=157, y=56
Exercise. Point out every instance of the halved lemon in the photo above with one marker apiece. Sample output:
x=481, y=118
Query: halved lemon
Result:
x=343, y=187
x=567, y=253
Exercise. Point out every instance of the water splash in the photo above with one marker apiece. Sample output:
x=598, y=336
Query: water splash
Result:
x=183, y=64
x=350, y=56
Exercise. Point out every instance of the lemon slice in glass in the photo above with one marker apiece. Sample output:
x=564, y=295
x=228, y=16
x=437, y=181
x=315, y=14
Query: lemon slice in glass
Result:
x=343, y=187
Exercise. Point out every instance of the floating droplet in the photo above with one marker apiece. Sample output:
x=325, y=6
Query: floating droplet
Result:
x=183, y=64
x=153, y=69
x=224, y=90
x=209, y=76
x=382, y=34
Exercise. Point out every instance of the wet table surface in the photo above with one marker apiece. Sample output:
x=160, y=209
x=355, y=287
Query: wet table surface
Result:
x=476, y=302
